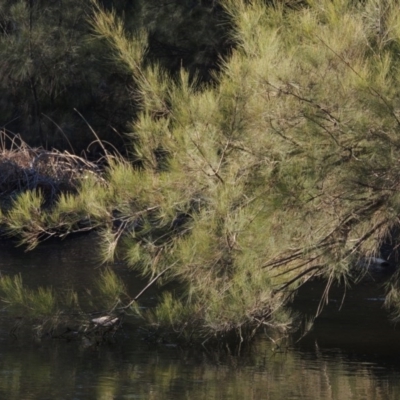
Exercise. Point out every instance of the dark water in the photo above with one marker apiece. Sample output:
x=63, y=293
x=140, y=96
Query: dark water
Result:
x=351, y=353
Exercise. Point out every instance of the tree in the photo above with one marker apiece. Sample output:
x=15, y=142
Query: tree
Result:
x=283, y=169
x=49, y=67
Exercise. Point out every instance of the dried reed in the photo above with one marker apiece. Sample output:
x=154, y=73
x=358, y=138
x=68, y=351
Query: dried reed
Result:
x=25, y=168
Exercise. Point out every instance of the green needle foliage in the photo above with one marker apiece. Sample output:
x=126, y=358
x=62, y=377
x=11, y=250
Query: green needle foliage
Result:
x=31, y=304
x=284, y=169
x=111, y=288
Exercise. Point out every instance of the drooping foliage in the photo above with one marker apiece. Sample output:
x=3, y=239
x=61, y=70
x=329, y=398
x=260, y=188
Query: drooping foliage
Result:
x=281, y=169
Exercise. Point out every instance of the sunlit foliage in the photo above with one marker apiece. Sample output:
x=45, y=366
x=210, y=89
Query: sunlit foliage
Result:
x=111, y=288
x=29, y=303
x=282, y=169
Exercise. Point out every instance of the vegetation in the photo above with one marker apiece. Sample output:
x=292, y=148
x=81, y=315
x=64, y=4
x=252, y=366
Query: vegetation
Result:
x=282, y=168
x=32, y=179
x=49, y=68
x=196, y=43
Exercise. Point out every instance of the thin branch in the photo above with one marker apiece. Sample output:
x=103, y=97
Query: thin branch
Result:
x=92, y=130
x=295, y=268
x=296, y=278
x=151, y=283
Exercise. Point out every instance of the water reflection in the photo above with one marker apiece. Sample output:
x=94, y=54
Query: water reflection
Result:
x=351, y=354
x=63, y=371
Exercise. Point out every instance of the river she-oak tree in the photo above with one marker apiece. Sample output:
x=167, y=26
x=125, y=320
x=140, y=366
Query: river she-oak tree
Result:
x=280, y=168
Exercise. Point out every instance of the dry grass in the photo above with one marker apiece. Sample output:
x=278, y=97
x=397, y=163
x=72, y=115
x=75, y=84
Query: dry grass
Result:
x=52, y=172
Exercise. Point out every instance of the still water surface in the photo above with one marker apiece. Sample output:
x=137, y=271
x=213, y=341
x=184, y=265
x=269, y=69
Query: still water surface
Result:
x=351, y=353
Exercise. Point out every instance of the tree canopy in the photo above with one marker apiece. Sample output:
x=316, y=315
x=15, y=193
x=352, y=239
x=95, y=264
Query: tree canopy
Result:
x=282, y=168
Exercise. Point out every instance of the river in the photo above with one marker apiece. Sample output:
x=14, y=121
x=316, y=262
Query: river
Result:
x=352, y=351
